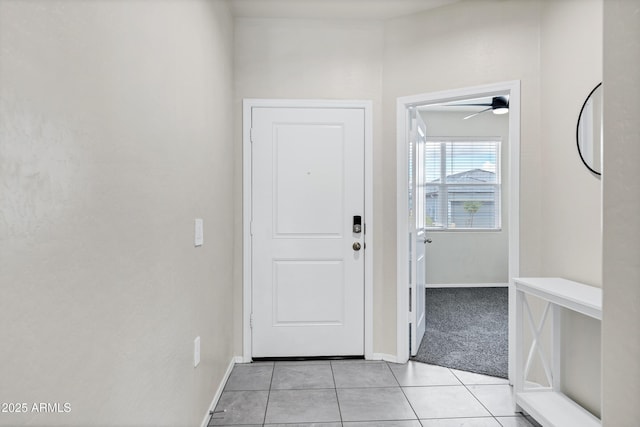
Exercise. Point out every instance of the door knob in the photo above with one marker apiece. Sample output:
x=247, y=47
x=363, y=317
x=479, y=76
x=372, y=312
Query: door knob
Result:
x=356, y=246
x=428, y=240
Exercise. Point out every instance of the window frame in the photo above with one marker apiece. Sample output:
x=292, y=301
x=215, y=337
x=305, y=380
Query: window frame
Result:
x=443, y=186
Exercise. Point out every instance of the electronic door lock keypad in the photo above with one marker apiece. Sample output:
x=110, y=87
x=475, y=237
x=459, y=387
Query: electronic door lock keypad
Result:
x=357, y=224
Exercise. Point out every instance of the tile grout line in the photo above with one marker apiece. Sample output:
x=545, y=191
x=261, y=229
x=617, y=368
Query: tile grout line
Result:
x=404, y=394
x=266, y=408
x=475, y=397
x=393, y=374
x=335, y=389
x=467, y=387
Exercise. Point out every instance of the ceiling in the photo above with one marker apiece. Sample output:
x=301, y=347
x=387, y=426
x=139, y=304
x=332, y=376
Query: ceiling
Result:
x=332, y=9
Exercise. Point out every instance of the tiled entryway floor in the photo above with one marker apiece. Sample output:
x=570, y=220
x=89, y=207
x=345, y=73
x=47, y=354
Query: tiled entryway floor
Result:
x=357, y=393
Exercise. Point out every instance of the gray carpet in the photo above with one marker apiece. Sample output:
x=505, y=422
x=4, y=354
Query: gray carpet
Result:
x=467, y=329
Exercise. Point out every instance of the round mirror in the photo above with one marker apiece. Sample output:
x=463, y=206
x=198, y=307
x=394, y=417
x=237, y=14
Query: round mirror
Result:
x=589, y=132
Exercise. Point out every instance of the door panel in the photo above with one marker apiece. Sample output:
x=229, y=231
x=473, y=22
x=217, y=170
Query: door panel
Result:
x=308, y=180
x=307, y=293
x=417, y=232
x=307, y=184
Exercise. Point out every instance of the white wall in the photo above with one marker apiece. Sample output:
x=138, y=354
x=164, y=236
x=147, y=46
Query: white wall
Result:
x=621, y=253
x=480, y=256
x=572, y=194
x=553, y=48
x=309, y=59
x=465, y=44
x=421, y=53
x=571, y=66
x=114, y=135
x=345, y=59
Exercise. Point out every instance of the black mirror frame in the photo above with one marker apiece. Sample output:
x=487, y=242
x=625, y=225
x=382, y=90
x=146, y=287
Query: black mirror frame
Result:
x=578, y=131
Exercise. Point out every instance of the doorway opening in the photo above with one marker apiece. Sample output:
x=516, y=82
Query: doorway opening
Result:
x=458, y=182
x=307, y=202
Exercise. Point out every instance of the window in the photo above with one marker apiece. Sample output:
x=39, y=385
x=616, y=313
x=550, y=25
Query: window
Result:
x=462, y=184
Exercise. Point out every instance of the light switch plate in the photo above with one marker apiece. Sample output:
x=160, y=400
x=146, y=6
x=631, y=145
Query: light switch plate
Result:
x=199, y=232
x=196, y=352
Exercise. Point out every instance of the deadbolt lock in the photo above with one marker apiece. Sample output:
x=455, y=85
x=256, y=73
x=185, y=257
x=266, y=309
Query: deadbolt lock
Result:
x=357, y=224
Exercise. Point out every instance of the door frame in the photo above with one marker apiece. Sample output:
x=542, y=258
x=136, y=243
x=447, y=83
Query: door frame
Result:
x=247, y=161
x=403, y=104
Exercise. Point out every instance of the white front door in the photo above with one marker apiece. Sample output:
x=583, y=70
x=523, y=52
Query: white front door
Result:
x=417, y=232
x=307, y=260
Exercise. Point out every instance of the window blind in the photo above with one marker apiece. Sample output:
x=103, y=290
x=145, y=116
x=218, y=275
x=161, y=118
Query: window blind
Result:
x=462, y=185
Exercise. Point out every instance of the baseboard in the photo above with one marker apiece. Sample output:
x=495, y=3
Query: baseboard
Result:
x=467, y=285
x=386, y=357
x=216, y=397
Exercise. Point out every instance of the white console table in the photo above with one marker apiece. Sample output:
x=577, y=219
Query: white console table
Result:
x=548, y=405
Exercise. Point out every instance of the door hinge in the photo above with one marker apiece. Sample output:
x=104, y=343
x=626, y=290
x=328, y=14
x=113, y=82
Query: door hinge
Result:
x=251, y=321
x=251, y=228
x=251, y=134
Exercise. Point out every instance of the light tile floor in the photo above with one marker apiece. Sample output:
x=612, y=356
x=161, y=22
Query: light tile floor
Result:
x=358, y=393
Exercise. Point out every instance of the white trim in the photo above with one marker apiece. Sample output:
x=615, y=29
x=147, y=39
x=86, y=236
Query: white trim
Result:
x=402, y=231
x=367, y=106
x=246, y=234
x=514, y=216
x=513, y=89
x=466, y=285
x=216, y=397
x=369, y=237
x=386, y=357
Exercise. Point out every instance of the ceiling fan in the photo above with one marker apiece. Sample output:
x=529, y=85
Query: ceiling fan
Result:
x=499, y=105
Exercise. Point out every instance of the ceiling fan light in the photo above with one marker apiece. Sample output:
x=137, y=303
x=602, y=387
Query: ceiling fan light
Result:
x=500, y=105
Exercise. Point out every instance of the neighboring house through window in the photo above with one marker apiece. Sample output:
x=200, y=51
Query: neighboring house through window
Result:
x=462, y=183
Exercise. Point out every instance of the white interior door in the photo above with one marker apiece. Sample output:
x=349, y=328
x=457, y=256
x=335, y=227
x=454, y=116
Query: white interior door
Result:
x=307, y=260
x=417, y=232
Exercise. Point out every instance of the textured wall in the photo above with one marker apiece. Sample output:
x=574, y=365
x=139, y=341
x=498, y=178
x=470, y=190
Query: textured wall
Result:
x=310, y=59
x=114, y=135
x=454, y=47
x=571, y=64
x=621, y=267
